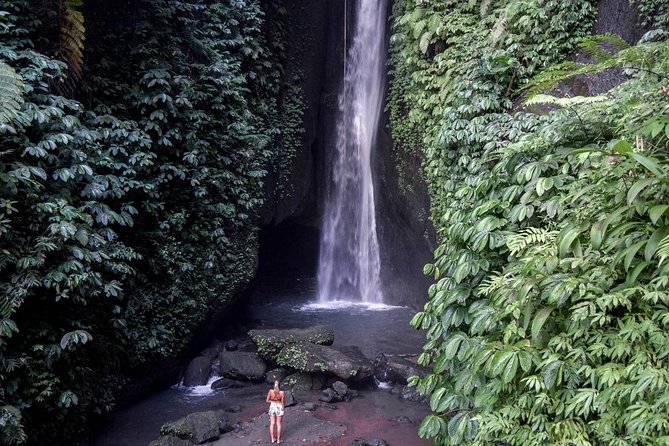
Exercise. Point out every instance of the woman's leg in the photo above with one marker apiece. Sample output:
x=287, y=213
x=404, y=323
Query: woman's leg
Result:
x=272, y=421
x=278, y=429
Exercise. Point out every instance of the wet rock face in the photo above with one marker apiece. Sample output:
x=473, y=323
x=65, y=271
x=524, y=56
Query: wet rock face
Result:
x=619, y=17
x=396, y=369
x=242, y=365
x=406, y=238
x=198, y=371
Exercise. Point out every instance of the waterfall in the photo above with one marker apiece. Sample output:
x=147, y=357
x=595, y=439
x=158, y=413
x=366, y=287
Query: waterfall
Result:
x=349, y=266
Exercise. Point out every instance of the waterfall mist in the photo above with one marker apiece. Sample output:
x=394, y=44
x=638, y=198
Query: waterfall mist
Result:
x=349, y=265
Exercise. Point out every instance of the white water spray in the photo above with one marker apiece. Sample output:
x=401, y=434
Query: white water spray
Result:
x=349, y=267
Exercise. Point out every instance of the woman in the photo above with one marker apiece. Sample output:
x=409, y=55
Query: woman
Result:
x=276, y=400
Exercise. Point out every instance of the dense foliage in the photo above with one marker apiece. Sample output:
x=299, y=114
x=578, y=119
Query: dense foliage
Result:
x=548, y=321
x=144, y=160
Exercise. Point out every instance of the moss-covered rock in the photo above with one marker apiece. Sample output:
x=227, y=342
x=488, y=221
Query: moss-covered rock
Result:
x=197, y=428
x=270, y=342
x=312, y=358
x=171, y=441
x=304, y=381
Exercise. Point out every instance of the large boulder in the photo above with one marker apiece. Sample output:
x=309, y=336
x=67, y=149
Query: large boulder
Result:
x=270, y=342
x=199, y=427
x=276, y=375
x=226, y=383
x=213, y=350
x=241, y=365
x=411, y=394
x=396, y=369
x=171, y=441
x=312, y=358
x=304, y=381
x=198, y=371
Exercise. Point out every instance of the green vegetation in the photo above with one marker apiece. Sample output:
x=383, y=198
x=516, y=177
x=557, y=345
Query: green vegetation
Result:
x=130, y=152
x=548, y=320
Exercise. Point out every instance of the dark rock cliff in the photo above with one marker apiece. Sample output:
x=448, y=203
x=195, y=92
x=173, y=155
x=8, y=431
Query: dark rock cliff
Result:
x=316, y=51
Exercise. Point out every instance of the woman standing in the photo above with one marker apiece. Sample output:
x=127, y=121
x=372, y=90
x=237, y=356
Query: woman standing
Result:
x=276, y=400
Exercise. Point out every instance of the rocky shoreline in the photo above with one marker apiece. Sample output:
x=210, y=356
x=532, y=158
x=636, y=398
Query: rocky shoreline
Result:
x=323, y=386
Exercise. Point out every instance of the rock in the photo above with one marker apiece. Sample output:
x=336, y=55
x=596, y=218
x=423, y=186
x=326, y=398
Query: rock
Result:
x=396, y=369
x=213, y=350
x=234, y=409
x=198, y=371
x=330, y=406
x=304, y=381
x=368, y=442
x=352, y=394
x=276, y=375
x=225, y=383
x=340, y=388
x=402, y=419
x=288, y=398
x=231, y=346
x=309, y=406
x=411, y=394
x=313, y=358
x=397, y=389
x=198, y=427
x=171, y=441
x=242, y=365
x=328, y=395
x=270, y=342
x=366, y=366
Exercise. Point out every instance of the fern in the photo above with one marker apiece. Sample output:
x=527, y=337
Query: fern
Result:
x=11, y=89
x=71, y=40
x=565, y=102
x=634, y=59
x=599, y=47
x=663, y=249
x=529, y=236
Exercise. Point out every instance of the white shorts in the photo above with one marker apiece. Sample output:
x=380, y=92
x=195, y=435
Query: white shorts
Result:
x=275, y=409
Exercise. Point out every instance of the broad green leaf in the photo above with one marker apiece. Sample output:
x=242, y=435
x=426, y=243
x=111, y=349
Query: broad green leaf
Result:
x=510, y=369
x=648, y=163
x=637, y=187
x=656, y=212
x=634, y=274
x=567, y=238
x=597, y=234
x=654, y=241
x=539, y=321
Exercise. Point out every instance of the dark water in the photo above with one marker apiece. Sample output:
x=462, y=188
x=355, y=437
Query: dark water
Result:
x=375, y=330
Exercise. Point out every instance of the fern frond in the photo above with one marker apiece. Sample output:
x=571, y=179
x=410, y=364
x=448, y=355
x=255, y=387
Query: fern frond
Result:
x=11, y=93
x=72, y=36
x=663, y=249
x=565, y=102
x=485, y=8
x=492, y=283
x=499, y=27
x=551, y=77
x=603, y=47
x=529, y=236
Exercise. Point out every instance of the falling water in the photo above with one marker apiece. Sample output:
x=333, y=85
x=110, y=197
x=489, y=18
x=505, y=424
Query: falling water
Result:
x=349, y=267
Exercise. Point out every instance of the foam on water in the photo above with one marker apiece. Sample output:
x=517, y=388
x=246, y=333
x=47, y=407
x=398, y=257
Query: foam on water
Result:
x=341, y=305
x=205, y=390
